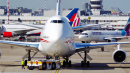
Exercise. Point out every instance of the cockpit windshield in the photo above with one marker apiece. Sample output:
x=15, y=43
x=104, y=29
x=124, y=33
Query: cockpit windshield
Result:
x=57, y=21
x=84, y=34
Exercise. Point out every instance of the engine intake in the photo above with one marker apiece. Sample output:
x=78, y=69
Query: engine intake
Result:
x=119, y=56
x=7, y=34
x=111, y=40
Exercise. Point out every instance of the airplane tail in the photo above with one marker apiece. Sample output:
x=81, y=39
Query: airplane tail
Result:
x=127, y=28
x=71, y=16
x=76, y=21
x=58, y=7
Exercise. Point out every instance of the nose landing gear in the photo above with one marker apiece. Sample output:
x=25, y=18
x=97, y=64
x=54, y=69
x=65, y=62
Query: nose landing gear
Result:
x=67, y=62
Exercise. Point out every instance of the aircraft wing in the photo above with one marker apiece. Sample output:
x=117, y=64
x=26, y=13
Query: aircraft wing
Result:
x=117, y=38
x=86, y=26
x=26, y=45
x=29, y=25
x=24, y=30
x=80, y=46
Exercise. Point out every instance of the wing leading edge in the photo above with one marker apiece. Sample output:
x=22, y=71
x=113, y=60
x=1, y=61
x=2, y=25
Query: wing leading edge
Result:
x=87, y=26
x=27, y=45
x=83, y=45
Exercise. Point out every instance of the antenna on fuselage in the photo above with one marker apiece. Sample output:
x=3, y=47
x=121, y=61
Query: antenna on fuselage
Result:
x=58, y=7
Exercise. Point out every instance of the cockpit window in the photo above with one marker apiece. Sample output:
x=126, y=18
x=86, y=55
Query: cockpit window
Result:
x=54, y=21
x=57, y=21
x=84, y=34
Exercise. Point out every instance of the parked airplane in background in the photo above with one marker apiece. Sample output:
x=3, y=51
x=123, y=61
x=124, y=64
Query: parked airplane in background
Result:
x=57, y=41
x=10, y=30
x=105, y=35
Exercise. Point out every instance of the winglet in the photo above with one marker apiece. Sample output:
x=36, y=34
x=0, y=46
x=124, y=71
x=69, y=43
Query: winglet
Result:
x=58, y=8
x=71, y=16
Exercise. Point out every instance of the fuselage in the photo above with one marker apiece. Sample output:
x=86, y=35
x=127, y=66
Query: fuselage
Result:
x=57, y=37
x=100, y=35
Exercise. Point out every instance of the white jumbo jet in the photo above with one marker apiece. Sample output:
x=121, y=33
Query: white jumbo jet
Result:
x=57, y=41
x=105, y=35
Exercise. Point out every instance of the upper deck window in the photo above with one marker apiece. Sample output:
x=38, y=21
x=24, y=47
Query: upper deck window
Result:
x=57, y=21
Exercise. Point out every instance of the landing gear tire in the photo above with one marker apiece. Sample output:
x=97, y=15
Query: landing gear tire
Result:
x=102, y=49
x=82, y=63
x=44, y=66
x=88, y=64
x=69, y=63
x=53, y=66
x=64, y=63
x=30, y=68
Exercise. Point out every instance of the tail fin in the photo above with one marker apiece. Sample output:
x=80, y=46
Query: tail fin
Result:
x=76, y=21
x=127, y=28
x=71, y=16
x=58, y=7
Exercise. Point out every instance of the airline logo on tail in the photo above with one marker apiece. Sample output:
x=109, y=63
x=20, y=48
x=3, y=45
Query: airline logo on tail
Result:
x=127, y=28
x=76, y=21
x=71, y=16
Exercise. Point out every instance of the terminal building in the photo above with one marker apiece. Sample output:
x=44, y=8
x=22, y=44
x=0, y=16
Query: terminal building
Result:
x=93, y=10
x=96, y=8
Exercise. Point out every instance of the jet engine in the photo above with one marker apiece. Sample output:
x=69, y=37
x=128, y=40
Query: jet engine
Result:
x=119, y=56
x=7, y=34
x=111, y=40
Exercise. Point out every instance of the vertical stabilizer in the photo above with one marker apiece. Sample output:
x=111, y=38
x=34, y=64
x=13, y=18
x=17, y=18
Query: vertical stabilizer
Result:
x=76, y=21
x=71, y=16
x=127, y=27
x=58, y=7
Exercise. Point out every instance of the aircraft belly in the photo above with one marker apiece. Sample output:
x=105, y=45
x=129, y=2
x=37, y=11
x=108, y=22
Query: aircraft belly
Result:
x=56, y=49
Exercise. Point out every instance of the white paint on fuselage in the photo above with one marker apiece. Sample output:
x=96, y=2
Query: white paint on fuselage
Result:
x=57, y=35
x=98, y=35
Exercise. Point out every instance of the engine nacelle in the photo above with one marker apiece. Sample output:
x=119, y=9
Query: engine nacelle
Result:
x=111, y=40
x=7, y=34
x=119, y=56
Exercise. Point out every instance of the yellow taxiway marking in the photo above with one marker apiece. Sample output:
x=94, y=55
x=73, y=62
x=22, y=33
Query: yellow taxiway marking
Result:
x=60, y=64
x=57, y=71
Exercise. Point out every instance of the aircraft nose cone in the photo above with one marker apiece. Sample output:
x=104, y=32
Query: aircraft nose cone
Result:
x=82, y=37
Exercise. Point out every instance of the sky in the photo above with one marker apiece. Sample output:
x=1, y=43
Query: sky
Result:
x=51, y=4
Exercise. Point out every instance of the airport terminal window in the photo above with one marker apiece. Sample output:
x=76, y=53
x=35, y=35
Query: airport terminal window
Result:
x=57, y=21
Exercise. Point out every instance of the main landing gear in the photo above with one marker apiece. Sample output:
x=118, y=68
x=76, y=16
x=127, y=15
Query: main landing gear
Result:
x=85, y=63
x=66, y=62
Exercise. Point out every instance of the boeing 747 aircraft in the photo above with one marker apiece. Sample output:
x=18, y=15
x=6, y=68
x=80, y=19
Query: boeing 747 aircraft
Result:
x=57, y=41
